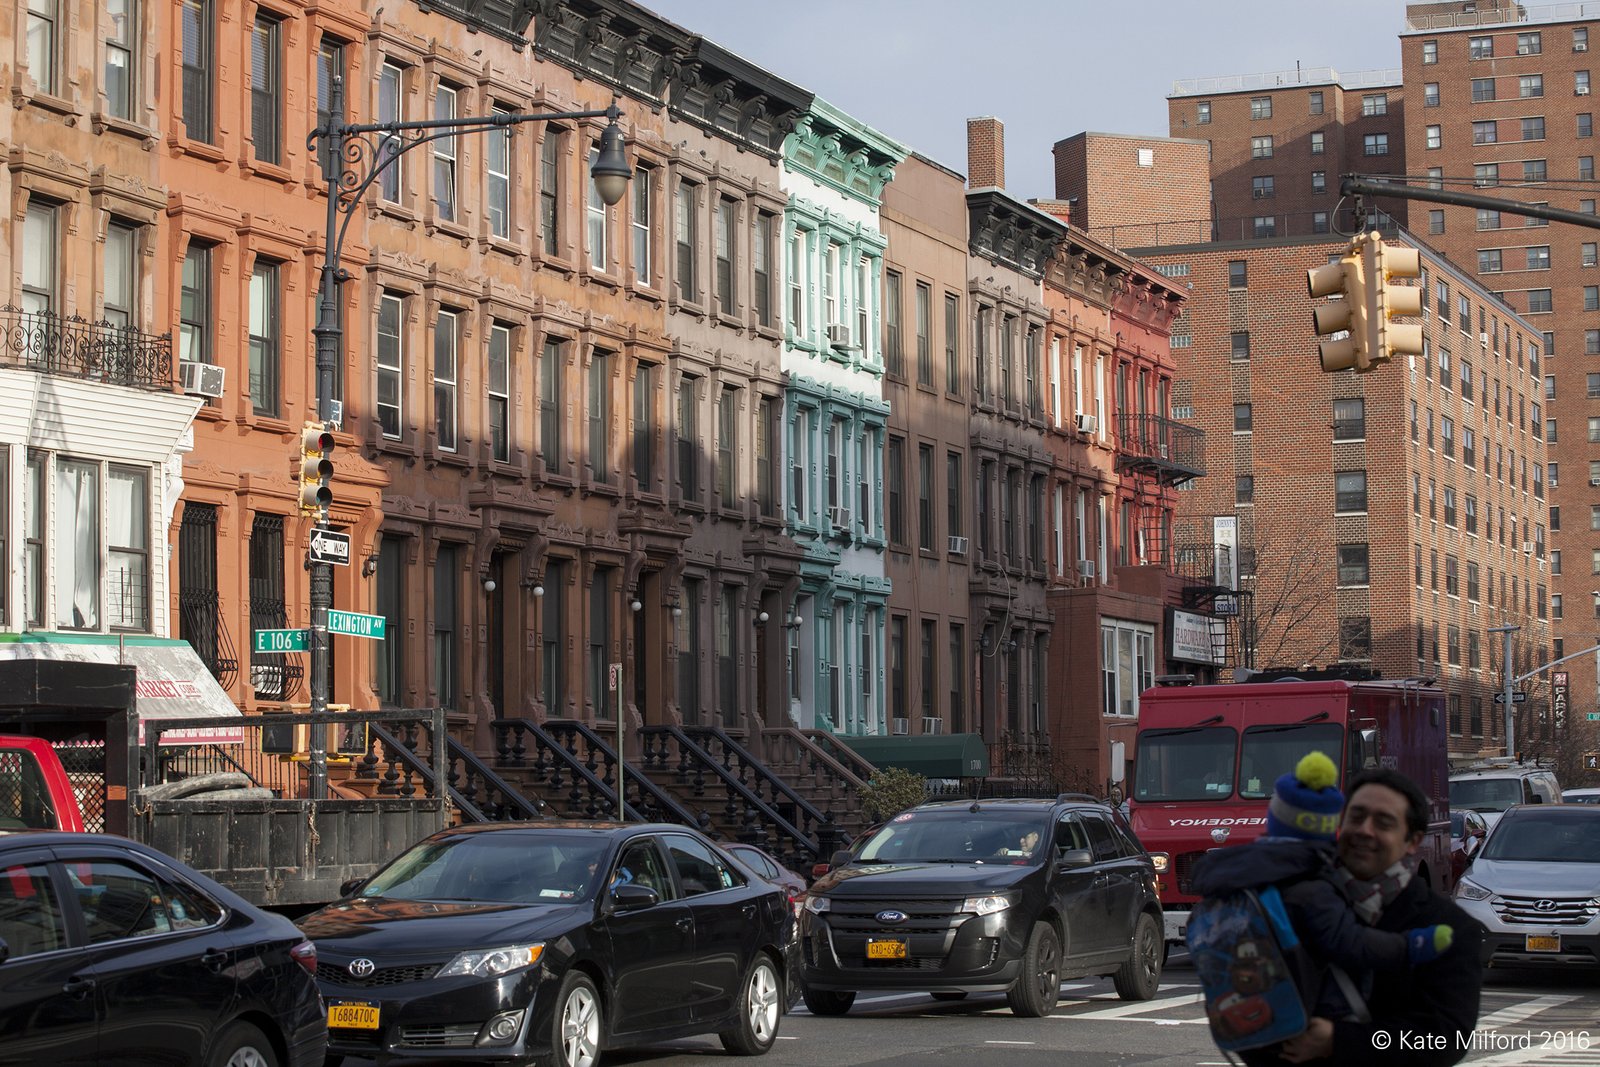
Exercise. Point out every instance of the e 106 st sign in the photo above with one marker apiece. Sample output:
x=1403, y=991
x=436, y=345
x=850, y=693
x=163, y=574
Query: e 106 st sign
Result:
x=281, y=640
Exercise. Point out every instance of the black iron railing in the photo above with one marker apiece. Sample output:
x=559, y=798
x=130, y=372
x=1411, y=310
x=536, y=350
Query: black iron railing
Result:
x=670, y=753
x=98, y=351
x=474, y=789
x=739, y=761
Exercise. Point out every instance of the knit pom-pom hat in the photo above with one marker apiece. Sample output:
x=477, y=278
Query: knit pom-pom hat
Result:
x=1307, y=803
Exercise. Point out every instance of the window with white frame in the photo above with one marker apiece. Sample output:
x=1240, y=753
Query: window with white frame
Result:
x=761, y=262
x=95, y=567
x=391, y=108
x=726, y=244
x=445, y=341
x=830, y=285
x=444, y=156
x=500, y=392
x=641, y=219
x=596, y=223
x=688, y=195
x=550, y=191
x=265, y=337
x=194, y=307
x=266, y=88
x=43, y=42
x=121, y=70
x=39, y=269
x=391, y=363
x=121, y=275
x=1127, y=665
x=497, y=166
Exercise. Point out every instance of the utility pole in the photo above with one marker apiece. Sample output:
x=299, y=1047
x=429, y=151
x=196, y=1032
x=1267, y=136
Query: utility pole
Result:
x=1505, y=693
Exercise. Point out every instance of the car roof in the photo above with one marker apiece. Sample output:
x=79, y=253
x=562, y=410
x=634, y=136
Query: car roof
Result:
x=1582, y=792
x=573, y=827
x=1501, y=772
x=1012, y=804
x=1560, y=811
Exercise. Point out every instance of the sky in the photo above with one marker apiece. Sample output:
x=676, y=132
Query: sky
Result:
x=916, y=71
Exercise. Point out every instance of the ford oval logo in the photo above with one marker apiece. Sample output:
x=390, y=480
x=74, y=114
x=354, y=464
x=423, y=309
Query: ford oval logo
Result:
x=361, y=968
x=891, y=917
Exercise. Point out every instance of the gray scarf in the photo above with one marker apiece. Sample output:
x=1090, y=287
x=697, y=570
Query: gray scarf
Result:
x=1369, y=898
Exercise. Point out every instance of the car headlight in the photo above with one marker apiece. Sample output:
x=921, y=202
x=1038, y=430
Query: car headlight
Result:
x=817, y=905
x=985, y=905
x=493, y=962
x=1471, y=890
x=1162, y=861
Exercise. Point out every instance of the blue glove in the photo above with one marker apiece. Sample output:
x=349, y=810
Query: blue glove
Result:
x=1424, y=944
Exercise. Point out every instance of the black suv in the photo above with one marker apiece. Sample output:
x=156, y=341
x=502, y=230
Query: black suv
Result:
x=966, y=897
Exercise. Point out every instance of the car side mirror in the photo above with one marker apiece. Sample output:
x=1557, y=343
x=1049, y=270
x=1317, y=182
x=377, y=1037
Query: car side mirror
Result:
x=349, y=887
x=839, y=858
x=5, y=950
x=633, y=897
x=1074, y=858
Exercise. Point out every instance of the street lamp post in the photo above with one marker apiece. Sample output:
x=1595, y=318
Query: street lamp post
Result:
x=1507, y=687
x=353, y=156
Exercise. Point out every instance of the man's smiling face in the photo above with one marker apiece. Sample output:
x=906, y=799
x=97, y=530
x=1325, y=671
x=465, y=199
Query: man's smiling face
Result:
x=1374, y=834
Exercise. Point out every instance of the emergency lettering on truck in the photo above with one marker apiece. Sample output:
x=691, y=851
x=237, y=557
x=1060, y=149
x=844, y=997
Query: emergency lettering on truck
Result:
x=1206, y=758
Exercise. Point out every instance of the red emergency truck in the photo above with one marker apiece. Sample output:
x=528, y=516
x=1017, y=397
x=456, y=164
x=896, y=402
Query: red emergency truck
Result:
x=1207, y=756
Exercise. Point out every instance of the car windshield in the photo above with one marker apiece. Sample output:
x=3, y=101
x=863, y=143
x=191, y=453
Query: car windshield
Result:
x=958, y=837
x=1546, y=837
x=1486, y=794
x=1195, y=763
x=521, y=867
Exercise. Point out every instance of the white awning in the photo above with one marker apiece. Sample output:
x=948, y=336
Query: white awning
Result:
x=172, y=682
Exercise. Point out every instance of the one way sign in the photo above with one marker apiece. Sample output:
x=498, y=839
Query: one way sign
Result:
x=328, y=546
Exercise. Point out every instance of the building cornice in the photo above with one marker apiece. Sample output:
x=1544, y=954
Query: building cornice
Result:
x=1006, y=231
x=842, y=152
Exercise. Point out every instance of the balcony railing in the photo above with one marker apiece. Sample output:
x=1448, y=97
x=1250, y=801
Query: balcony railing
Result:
x=1172, y=451
x=97, y=351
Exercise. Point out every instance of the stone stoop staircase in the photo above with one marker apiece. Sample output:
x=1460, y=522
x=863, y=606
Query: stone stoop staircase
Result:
x=825, y=771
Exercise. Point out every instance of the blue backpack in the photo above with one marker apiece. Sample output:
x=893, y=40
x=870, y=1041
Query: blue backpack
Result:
x=1253, y=969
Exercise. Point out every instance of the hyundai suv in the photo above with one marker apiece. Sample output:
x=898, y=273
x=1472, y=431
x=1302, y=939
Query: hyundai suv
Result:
x=963, y=897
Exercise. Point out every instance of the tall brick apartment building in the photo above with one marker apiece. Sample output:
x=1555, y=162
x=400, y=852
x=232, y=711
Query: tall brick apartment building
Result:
x=1495, y=101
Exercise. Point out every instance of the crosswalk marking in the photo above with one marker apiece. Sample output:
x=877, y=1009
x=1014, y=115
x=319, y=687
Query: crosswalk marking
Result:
x=1140, y=1007
x=1518, y=1012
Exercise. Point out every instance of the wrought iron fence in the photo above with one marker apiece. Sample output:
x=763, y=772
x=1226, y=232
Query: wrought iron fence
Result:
x=98, y=351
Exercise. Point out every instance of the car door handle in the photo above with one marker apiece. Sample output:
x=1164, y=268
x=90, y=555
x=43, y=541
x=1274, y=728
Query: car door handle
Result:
x=749, y=911
x=214, y=959
x=685, y=923
x=78, y=987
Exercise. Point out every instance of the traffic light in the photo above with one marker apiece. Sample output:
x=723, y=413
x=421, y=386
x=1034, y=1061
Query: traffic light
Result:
x=316, y=467
x=1346, y=277
x=1395, y=338
x=1362, y=277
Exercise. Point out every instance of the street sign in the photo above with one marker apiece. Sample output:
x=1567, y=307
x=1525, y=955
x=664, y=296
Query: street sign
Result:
x=1518, y=697
x=354, y=624
x=1593, y=716
x=328, y=546
x=280, y=640
x=614, y=677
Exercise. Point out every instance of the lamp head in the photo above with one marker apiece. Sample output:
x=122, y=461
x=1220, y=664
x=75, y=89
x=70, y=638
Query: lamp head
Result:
x=611, y=172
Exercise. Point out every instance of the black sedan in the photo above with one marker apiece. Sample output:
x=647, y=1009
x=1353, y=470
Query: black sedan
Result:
x=111, y=952
x=515, y=942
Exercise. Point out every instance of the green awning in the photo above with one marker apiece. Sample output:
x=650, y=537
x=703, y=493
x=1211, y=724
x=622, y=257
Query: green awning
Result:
x=930, y=755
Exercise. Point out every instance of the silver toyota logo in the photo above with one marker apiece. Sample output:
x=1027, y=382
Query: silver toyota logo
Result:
x=891, y=917
x=1544, y=905
x=1220, y=834
x=361, y=968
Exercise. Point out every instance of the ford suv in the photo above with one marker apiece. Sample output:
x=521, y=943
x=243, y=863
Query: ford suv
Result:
x=962, y=897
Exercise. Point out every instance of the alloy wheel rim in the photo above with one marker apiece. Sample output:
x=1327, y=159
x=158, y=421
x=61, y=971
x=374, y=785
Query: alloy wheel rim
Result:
x=580, y=1029
x=1150, y=953
x=1048, y=982
x=763, y=998
x=249, y=1056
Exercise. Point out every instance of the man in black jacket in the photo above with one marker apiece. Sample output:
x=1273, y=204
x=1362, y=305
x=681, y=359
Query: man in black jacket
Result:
x=1423, y=1015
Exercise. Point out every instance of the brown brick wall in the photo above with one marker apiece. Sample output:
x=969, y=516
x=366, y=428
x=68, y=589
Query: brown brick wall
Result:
x=1123, y=202
x=986, y=153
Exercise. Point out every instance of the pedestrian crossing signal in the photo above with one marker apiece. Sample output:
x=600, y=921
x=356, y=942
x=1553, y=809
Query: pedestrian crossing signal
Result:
x=1591, y=761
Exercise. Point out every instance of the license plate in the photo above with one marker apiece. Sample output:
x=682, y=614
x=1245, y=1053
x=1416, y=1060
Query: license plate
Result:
x=345, y=1016
x=887, y=950
x=1542, y=943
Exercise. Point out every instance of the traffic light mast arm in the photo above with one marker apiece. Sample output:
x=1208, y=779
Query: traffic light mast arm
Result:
x=1353, y=186
x=1554, y=663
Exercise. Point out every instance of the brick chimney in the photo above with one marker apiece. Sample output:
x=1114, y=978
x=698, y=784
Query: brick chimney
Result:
x=986, y=153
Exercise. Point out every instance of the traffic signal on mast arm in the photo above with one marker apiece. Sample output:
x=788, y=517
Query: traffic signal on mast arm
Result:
x=1345, y=277
x=1392, y=261
x=316, y=467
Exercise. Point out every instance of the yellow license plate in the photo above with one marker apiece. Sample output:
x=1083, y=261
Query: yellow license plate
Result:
x=1538, y=943
x=352, y=1016
x=886, y=950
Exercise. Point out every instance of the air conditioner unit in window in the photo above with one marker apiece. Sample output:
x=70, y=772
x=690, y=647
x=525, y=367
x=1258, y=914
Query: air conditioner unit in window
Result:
x=1582, y=90
x=1580, y=46
x=1086, y=423
x=1483, y=339
x=1086, y=568
x=839, y=335
x=201, y=379
x=1527, y=548
x=902, y=726
x=1258, y=194
x=932, y=725
x=839, y=517
x=958, y=544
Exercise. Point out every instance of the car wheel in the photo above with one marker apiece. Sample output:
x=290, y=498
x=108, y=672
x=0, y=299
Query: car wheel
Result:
x=576, y=1041
x=759, y=1011
x=829, y=1001
x=1138, y=978
x=1038, y=987
x=949, y=994
x=242, y=1045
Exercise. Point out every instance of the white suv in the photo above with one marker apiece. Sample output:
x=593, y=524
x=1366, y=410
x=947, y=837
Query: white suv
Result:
x=1491, y=789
